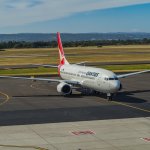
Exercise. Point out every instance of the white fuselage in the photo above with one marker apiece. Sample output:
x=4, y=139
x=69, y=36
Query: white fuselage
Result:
x=100, y=80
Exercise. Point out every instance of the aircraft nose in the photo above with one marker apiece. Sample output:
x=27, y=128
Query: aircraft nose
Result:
x=115, y=86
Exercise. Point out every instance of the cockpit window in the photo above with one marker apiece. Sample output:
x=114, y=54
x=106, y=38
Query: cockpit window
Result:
x=113, y=78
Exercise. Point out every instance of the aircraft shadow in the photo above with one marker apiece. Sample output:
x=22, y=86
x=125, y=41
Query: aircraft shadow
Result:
x=128, y=96
x=124, y=96
x=54, y=95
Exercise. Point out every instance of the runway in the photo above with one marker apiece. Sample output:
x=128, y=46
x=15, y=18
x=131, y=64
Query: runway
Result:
x=25, y=102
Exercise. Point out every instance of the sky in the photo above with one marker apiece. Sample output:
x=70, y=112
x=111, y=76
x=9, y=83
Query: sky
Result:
x=74, y=16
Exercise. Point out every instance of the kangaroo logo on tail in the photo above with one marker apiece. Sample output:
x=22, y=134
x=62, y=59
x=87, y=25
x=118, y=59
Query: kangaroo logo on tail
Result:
x=63, y=60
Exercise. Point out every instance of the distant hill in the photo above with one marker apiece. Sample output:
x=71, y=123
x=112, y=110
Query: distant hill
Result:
x=33, y=37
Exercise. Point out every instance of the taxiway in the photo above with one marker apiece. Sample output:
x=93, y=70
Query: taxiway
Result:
x=26, y=102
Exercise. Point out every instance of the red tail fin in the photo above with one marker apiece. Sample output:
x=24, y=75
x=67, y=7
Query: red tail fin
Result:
x=63, y=60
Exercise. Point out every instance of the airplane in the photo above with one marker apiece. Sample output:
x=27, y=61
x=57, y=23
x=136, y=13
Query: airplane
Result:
x=90, y=78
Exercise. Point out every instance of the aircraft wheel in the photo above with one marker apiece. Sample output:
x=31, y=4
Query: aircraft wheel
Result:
x=109, y=96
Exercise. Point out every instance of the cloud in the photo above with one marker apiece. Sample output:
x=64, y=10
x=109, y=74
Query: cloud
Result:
x=21, y=4
x=20, y=12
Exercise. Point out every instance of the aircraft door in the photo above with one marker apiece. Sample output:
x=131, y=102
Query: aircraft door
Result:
x=99, y=82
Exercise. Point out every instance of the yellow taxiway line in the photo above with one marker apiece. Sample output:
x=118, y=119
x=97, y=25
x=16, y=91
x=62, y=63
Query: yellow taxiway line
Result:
x=134, y=107
x=6, y=98
x=25, y=147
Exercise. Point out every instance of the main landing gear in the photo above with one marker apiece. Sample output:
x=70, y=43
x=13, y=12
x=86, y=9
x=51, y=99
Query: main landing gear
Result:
x=86, y=91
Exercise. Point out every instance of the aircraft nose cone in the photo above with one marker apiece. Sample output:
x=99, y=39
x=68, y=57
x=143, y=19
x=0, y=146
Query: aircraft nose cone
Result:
x=115, y=86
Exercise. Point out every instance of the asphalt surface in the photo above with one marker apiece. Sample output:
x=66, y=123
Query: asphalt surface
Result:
x=26, y=102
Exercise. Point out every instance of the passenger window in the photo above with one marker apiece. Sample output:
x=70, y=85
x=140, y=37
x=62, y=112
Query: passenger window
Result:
x=106, y=79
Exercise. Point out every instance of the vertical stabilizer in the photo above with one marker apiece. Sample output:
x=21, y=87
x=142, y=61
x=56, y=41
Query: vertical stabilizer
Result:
x=62, y=58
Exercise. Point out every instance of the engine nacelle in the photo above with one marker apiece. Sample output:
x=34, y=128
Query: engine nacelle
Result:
x=64, y=88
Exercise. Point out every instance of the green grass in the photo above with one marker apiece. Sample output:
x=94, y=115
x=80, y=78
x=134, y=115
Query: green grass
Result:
x=123, y=68
x=32, y=71
x=129, y=53
x=76, y=54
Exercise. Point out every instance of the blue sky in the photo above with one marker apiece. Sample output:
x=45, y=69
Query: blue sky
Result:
x=74, y=16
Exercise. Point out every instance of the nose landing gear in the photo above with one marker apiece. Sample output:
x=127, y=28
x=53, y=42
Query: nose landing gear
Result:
x=109, y=96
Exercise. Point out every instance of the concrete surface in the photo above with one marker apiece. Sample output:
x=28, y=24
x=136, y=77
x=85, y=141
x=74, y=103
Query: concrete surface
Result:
x=115, y=134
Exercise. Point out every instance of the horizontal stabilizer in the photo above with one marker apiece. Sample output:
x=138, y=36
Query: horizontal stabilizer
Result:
x=52, y=66
x=80, y=63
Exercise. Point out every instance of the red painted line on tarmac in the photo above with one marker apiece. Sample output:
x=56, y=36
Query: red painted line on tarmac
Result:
x=146, y=139
x=87, y=132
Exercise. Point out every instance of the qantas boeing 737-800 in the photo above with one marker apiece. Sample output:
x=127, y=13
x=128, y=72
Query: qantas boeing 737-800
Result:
x=75, y=75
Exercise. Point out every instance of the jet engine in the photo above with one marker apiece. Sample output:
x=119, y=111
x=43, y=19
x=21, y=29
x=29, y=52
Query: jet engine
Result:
x=64, y=88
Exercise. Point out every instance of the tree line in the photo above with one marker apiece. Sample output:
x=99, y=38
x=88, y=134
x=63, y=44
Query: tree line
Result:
x=53, y=44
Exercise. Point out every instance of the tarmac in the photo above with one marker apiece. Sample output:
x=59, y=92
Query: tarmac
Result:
x=34, y=116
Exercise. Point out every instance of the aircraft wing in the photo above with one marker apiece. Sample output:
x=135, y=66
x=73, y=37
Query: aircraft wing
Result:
x=131, y=74
x=43, y=79
x=32, y=78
